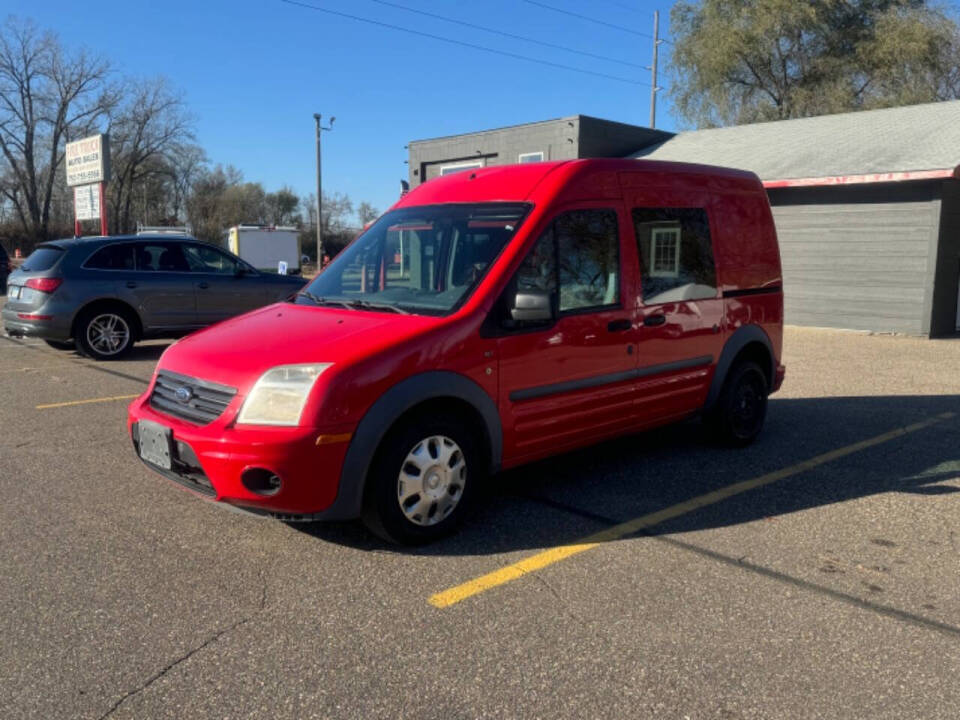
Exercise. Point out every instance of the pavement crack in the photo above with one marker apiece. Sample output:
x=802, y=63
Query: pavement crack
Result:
x=262, y=605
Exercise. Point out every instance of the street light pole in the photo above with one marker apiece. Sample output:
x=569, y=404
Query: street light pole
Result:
x=320, y=129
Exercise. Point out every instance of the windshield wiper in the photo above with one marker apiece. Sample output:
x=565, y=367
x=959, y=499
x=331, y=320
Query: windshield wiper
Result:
x=317, y=300
x=367, y=305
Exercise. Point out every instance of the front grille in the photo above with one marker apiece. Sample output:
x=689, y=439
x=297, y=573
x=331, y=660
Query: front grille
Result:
x=201, y=402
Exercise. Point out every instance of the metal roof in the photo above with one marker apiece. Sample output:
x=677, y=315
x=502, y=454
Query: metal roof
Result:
x=869, y=146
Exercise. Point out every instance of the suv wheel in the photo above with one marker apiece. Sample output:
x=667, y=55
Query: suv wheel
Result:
x=105, y=334
x=423, y=480
x=741, y=409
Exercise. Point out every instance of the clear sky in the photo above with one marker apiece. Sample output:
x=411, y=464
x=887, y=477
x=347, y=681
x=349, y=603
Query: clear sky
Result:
x=254, y=71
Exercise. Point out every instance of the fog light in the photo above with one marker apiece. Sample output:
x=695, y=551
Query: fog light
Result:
x=261, y=481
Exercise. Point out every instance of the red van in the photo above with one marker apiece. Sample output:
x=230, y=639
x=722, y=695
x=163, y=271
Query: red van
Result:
x=490, y=318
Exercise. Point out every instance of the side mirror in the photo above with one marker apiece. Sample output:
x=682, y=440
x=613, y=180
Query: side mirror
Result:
x=532, y=306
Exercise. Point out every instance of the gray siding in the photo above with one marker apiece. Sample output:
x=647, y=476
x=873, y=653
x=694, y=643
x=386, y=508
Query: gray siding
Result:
x=858, y=258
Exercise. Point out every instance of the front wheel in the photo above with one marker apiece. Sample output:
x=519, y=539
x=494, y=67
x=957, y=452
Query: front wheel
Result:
x=741, y=409
x=105, y=334
x=423, y=480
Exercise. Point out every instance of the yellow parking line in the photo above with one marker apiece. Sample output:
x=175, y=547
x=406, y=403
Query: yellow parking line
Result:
x=87, y=402
x=541, y=560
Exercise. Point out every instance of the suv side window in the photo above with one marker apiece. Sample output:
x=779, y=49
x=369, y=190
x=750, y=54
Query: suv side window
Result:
x=161, y=257
x=118, y=256
x=676, y=255
x=204, y=259
x=579, y=254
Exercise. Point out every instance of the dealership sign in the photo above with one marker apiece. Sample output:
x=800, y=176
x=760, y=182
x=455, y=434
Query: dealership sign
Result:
x=88, y=160
x=86, y=201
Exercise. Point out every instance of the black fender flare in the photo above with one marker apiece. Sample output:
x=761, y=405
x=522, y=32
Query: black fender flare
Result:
x=381, y=416
x=742, y=337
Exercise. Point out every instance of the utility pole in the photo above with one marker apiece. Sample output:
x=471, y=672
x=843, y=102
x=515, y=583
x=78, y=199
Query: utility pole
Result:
x=653, y=69
x=320, y=129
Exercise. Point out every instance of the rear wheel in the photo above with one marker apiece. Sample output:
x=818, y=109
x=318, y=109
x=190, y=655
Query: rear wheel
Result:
x=741, y=409
x=105, y=333
x=423, y=480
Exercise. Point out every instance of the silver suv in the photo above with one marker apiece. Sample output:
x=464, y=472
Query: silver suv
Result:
x=102, y=294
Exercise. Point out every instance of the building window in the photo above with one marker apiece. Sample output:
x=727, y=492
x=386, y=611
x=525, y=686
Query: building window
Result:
x=531, y=157
x=665, y=252
x=460, y=167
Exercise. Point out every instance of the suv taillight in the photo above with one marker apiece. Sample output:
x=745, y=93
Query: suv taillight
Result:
x=46, y=285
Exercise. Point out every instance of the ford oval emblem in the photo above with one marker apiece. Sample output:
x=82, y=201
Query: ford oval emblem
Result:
x=184, y=395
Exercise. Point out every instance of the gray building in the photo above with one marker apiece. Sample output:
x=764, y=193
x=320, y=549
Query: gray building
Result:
x=867, y=204
x=577, y=136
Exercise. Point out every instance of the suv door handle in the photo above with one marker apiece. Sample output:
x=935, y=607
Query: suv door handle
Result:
x=621, y=325
x=131, y=284
x=203, y=285
x=653, y=320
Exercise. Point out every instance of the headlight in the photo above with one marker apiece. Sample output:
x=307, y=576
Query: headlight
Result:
x=280, y=394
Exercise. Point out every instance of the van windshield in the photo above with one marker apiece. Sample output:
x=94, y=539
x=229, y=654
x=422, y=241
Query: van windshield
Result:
x=425, y=259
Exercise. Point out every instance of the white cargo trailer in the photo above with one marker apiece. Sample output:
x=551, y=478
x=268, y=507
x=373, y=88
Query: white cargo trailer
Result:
x=265, y=247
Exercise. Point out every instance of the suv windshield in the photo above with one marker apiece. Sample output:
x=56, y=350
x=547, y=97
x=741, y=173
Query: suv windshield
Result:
x=423, y=259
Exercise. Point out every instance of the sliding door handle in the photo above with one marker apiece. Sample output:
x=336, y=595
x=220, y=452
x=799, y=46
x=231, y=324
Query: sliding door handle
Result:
x=654, y=320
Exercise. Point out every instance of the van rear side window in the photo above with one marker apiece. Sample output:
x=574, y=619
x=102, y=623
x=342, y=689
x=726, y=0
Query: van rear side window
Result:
x=676, y=255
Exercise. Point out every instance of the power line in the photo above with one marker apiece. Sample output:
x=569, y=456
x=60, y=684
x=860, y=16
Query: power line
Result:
x=508, y=35
x=593, y=20
x=622, y=5
x=483, y=48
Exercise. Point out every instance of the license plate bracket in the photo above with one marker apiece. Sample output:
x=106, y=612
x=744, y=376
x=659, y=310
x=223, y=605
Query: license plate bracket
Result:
x=156, y=444
x=13, y=292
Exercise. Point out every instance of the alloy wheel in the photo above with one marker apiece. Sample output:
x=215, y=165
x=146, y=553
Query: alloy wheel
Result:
x=108, y=334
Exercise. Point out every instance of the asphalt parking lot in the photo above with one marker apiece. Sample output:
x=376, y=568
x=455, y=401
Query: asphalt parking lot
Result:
x=812, y=575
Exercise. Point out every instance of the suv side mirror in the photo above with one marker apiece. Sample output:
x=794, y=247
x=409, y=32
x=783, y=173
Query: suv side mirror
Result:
x=532, y=306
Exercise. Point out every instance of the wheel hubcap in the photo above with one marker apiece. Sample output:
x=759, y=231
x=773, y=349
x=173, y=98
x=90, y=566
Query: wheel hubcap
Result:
x=108, y=334
x=431, y=480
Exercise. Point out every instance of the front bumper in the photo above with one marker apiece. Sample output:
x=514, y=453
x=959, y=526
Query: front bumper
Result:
x=210, y=460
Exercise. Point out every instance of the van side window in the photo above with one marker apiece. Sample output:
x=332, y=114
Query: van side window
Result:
x=579, y=253
x=539, y=268
x=676, y=255
x=588, y=250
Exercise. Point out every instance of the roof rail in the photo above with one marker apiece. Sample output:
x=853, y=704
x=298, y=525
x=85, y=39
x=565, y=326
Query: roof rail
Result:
x=164, y=230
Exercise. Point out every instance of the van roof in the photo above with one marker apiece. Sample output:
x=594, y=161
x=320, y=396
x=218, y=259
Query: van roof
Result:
x=513, y=183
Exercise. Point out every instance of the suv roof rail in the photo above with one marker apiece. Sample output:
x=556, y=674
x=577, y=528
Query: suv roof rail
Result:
x=164, y=230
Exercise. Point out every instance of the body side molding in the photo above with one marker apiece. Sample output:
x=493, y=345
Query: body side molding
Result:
x=608, y=379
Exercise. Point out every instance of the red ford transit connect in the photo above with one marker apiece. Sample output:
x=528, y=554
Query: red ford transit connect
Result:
x=490, y=318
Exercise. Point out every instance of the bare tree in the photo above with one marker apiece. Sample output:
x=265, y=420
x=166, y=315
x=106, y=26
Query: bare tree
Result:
x=146, y=130
x=48, y=96
x=282, y=206
x=366, y=213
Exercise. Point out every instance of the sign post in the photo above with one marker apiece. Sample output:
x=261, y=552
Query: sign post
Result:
x=88, y=171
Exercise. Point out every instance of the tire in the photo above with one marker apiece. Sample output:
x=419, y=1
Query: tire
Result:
x=741, y=409
x=61, y=344
x=399, y=506
x=105, y=333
